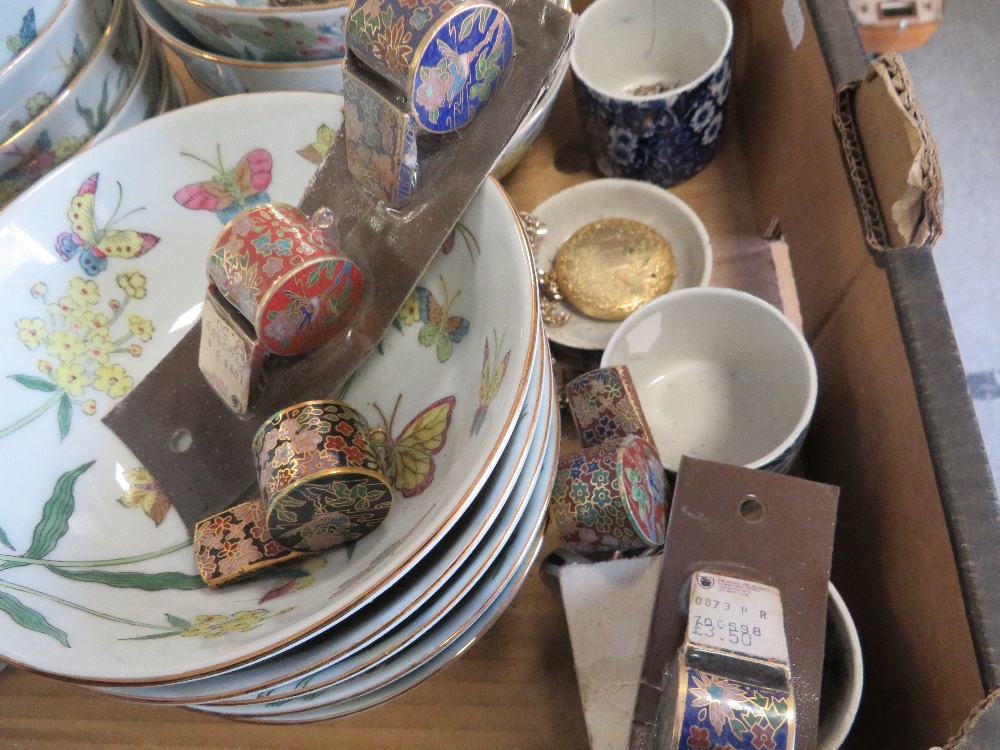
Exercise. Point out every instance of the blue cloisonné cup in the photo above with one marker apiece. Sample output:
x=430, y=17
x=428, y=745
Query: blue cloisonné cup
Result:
x=651, y=80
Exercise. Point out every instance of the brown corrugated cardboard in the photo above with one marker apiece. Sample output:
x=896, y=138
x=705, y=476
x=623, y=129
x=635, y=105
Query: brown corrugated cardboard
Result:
x=893, y=557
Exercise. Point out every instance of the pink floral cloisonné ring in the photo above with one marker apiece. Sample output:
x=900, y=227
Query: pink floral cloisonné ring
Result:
x=611, y=497
x=605, y=406
x=285, y=277
x=235, y=545
x=277, y=286
x=319, y=476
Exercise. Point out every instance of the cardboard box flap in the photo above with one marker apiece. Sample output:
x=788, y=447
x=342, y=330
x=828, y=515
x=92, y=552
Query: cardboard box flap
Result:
x=891, y=157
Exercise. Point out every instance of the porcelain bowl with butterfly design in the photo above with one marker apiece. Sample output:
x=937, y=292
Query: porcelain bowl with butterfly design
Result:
x=151, y=92
x=84, y=106
x=265, y=32
x=220, y=74
x=21, y=23
x=30, y=81
x=105, y=272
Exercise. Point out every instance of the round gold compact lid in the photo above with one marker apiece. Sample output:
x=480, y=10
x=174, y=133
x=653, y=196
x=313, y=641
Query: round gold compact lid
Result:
x=609, y=268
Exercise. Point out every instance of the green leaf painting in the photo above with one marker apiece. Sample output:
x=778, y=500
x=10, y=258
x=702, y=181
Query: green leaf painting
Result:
x=35, y=383
x=130, y=580
x=51, y=527
x=65, y=415
x=55, y=514
x=31, y=619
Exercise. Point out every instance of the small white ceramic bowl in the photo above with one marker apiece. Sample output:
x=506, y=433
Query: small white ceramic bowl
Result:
x=21, y=22
x=84, y=106
x=843, y=675
x=257, y=31
x=30, y=81
x=222, y=75
x=569, y=210
x=721, y=375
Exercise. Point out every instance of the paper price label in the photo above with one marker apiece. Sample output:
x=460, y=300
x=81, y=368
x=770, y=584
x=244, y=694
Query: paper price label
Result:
x=741, y=616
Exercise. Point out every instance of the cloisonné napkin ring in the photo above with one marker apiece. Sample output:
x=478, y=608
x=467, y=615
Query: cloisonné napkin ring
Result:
x=277, y=285
x=235, y=545
x=604, y=404
x=320, y=476
x=415, y=68
x=731, y=684
x=611, y=497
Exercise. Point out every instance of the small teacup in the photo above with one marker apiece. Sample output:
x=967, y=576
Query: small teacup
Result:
x=721, y=375
x=651, y=79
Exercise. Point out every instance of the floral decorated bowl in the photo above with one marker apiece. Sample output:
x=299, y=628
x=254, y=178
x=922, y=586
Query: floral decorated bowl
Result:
x=221, y=75
x=144, y=96
x=84, y=106
x=21, y=23
x=35, y=77
x=259, y=31
x=98, y=582
x=147, y=95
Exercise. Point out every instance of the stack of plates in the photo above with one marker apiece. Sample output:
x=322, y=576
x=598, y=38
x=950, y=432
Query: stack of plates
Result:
x=83, y=70
x=97, y=575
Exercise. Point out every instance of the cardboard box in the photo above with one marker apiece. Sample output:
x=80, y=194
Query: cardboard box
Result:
x=894, y=428
x=918, y=525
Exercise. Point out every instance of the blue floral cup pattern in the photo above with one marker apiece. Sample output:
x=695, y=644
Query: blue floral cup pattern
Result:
x=664, y=139
x=652, y=78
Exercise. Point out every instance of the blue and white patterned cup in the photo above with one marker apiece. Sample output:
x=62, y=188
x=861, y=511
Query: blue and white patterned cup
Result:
x=651, y=79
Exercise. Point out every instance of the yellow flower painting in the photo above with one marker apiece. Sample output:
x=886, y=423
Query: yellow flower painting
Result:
x=81, y=343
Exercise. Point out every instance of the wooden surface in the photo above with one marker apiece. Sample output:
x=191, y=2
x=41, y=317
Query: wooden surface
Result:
x=515, y=687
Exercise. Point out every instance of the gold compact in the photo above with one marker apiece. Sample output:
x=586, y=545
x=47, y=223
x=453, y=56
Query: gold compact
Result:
x=609, y=268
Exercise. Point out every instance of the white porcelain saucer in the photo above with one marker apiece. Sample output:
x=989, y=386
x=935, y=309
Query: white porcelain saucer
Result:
x=575, y=207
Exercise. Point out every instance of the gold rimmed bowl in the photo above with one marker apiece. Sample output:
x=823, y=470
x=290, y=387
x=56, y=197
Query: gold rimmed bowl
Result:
x=49, y=55
x=222, y=74
x=106, y=261
x=83, y=107
x=265, y=31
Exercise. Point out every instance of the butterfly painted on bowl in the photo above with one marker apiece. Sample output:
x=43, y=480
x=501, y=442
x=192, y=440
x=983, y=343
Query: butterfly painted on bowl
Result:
x=93, y=244
x=230, y=191
x=316, y=150
x=408, y=458
x=26, y=35
x=441, y=329
x=489, y=383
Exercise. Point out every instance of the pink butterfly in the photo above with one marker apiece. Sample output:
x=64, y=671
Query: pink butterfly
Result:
x=230, y=191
